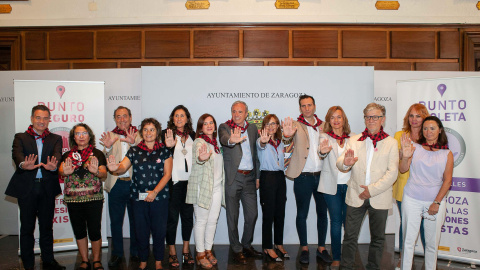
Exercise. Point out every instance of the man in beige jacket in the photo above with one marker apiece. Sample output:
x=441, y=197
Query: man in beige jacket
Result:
x=372, y=157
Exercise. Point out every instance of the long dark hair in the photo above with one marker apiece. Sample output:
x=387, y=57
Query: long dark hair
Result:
x=442, y=137
x=188, y=126
x=200, y=122
x=71, y=136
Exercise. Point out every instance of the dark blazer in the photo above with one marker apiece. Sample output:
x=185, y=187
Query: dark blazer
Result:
x=232, y=155
x=22, y=182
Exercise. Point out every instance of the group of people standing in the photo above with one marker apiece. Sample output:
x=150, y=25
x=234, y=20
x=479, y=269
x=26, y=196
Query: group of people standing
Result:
x=159, y=176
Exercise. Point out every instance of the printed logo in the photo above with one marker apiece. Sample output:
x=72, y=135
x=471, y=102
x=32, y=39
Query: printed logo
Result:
x=459, y=249
x=256, y=117
x=466, y=251
x=457, y=145
x=60, y=90
x=441, y=89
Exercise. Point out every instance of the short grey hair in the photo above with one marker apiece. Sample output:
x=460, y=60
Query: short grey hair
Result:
x=374, y=106
x=239, y=102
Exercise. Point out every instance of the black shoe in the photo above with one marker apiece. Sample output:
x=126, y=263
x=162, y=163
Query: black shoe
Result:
x=251, y=252
x=239, y=257
x=281, y=254
x=114, y=261
x=134, y=259
x=272, y=259
x=324, y=256
x=304, y=257
x=88, y=267
x=53, y=265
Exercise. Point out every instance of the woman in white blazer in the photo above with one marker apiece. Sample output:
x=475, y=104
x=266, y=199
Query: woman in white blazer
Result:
x=333, y=183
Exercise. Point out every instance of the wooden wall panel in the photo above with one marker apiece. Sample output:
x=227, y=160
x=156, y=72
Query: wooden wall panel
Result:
x=118, y=44
x=35, y=45
x=205, y=63
x=425, y=66
x=167, y=44
x=390, y=65
x=216, y=43
x=240, y=63
x=311, y=43
x=413, y=44
x=291, y=63
x=449, y=44
x=265, y=43
x=46, y=66
x=71, y=45
x=94, y=65
x=368, y=44
x=339, y=63
x=140, y=64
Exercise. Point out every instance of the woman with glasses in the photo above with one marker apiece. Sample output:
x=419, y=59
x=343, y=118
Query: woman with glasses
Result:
x=333, y=183
x=273, y=189
x=431, y=167
x=412, y=125
x=84, y=170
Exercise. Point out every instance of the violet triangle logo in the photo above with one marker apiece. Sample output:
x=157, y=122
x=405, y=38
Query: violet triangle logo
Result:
x=441, y=89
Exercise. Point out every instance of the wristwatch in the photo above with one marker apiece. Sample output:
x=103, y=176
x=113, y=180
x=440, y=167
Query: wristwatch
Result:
x=437, y=202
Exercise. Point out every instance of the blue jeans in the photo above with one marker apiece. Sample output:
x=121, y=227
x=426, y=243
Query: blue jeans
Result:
x=304, y=186
x=118, y=199
x=337, y=209
x=400, y=238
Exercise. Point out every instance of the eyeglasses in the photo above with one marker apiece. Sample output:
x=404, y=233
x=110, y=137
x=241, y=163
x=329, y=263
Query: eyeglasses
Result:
x=271, y=124
x=78, y=134
x=426, y=215
x=373, y=117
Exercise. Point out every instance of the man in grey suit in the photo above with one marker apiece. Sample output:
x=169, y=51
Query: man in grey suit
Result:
x=238, y=139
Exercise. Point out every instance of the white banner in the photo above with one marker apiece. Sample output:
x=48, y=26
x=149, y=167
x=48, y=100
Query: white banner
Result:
x=456, y=102
x=69, y=103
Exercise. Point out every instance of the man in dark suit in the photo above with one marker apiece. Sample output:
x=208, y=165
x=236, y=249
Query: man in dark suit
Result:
x=238, y=139
x=36, y=153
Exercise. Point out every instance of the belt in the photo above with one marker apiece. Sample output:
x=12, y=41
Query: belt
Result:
x=311, y=173
x=38, y=180
x=124, y=178
x=244, y=172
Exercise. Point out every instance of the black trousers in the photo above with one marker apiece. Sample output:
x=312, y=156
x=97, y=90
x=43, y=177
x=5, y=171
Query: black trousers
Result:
x=86, y=218
x=177, y=207
x=36, y=204
x=273, y=196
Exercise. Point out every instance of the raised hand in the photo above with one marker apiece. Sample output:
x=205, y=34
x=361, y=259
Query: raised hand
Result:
x=325, y=147
x=264, y=137
x=130, y=138
x=108, y=140
x=112, y=164
x=235, y=136
x=29, y=162
x=68, y=166
x=93, y=165
x=407, y=147
x=203, y=153
x=51, y=163
x=350, y=158
x=288, y=128
x=169, y=139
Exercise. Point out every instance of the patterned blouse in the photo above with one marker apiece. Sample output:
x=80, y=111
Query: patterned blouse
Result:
x=147, y=171
x=82, y=185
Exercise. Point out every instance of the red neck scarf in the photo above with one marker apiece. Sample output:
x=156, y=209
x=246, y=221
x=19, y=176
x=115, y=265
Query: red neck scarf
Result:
x=435, y=146
x=232, y=125
x=375, y=138
x=79, y=157
x=143, y=146
x=181, y=134
x=118, y=131
x=341, y=138
x=211, y=141
x=302, y=120
x=274, y=143
x=32, y=132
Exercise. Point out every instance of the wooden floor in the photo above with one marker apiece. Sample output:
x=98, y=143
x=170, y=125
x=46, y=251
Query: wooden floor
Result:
x=10, y=260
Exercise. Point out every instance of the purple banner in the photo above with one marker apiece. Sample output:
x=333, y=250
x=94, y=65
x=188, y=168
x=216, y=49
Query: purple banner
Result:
x=465, y=184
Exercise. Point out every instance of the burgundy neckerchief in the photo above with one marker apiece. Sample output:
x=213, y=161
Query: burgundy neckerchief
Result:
x=32, y=132
x=274, y=143
x=435, y=146
x=118, y=131
x=302, y=120
x=375, y=138
x=143, y=146
x=232, y=125
x=341, y=138
x=211, y=141
x=181, y=134
x=79, y=157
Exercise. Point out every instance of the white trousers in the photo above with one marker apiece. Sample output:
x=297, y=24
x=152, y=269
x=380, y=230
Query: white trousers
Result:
x=412, y=212
x=206, y=221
